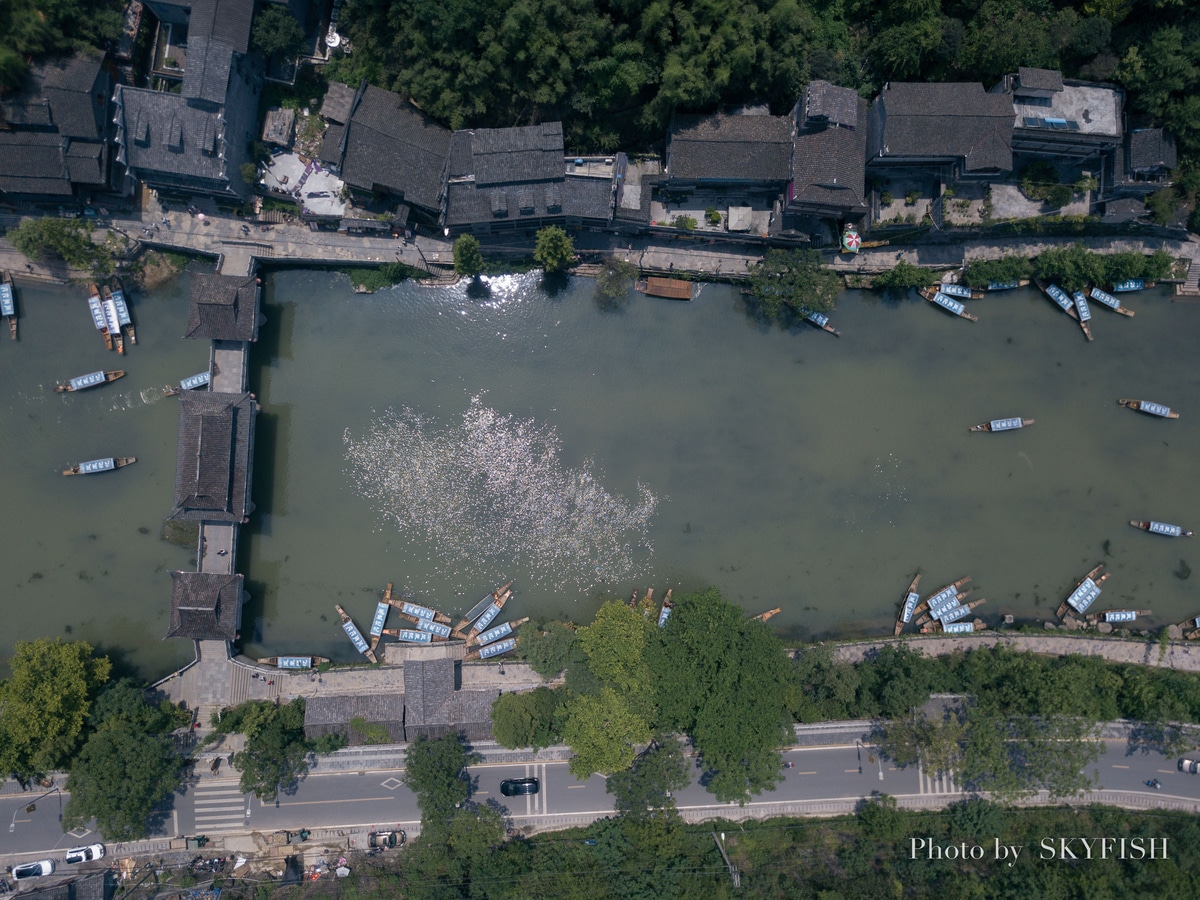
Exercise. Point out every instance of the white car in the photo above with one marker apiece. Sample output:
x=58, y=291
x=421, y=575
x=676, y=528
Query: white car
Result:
x=33, y=869
x=85, y=854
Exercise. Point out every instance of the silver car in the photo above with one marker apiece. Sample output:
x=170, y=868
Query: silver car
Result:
x=85, y=854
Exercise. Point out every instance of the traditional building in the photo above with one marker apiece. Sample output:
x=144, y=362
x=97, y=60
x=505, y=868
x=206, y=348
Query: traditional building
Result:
x=355, y=717
x=829, y=156
x=215, y=454
x=1063, y=118
x=224, y=307
x=1144, y=163
x=750, y=150
x=205, y=607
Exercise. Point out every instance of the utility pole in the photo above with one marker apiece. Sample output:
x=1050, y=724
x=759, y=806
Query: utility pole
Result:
x=733, y=871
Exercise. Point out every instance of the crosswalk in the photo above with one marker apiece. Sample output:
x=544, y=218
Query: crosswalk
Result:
x=937, y=783
x=220, y=806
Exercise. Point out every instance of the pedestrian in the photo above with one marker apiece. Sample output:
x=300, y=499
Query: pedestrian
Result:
x=222, y=552
x=166, y=221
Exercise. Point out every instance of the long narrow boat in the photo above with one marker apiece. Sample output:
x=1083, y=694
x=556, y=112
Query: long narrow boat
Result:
x=1084, y=312
x=500, y=631
x=939, y=595
x=1117, y=615
x=1059, y=297
x=99, y=319
x=965, y=627
x=1003, y=424
x=416, y=611
x=92, y=379
x=1104, y=298
x=908, y=604
x=822, y=321
x=937, y=298
x=477, y=610
x=1084, y=593
x=942, y=606
x=668, y=604
x=107, y=464
x=191, y=383
x=382, y=609
x=352, y=632
x=1160, y=528
x=123, y=317
x=113, y=320
x=960, y=611
x=1007, y=285
x=763, y=616
x=958, y=291
x=410, y=635
x=439, y=630
x=493, y=650
x=488, y=617
x=1133, y=284
x=293, y=662
x=8, y=303
x=1146, y=406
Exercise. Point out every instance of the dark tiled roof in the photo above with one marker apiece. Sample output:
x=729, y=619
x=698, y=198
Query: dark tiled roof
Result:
x=88, y=162
x=955, y=119
x=462, y=165
x=509, y=155
x=572, y=196
x=224, y=20
x=223, y=307
x=434, y=708
x=1039, y=79
x=96, y=886
x=216, y=437
x=31, y=113
x=826, y=103
x=161, y=132
x=69, y=95
x=1151, y=148
x=33, y=163
x=332, y=714
x=730, y=148
x=338, y=100
x=205, y=606
x=209, y=62
x=829, y=164
x=1125, y=209
x=331, y=145
x=393, y=144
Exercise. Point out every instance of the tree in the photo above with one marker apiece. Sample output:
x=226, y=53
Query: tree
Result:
x=44, y=705
x=602, y=732
x=793, y=280
x=615, y=280
x=468, y=259
x=276, y=31
x=276, y=751
x=528, y=719
x=434, y=768
x=904, y=276
x=615, y=644
x=555, y=249
x=67, y=239
x=644, y=791
x=547, y=652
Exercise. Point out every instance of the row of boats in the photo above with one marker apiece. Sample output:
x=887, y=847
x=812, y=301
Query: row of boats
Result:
x=110, y=315
x=1013, y=422
x=646, y=604
x=949, y=296
x=8, y=302
x=428, y=625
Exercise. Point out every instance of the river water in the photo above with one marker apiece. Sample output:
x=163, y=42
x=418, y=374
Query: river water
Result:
x=449, y=441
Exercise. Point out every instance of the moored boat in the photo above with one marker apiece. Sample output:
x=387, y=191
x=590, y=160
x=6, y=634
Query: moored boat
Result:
x=1003, y=424
x=112, y=320
x=822, y=321
x=959, y=611
x=1132, y=284
x=763, y=616
x=379, y=620
x=908, y=604
x=107, y=464
x=667, y=605
x=416, y=611
x=958, y=291
x=410, y=635
x=439, y=630
x=1146, y=406
x=946, y=603
x=669, y=288
x=488, y=617
x=1104, y=298
x=500, y=631
x=90, y=380
x=1160, y=528
x=352, y=632
x=1113, y=616
x=8, y=303
x=965, y=627
x=1059, y=297
x=1007, y=285
x=1084, y=312
x=123, y=317
x=1084, y=593
x=940, y=595
x=477, y=610
x=96, y=308
x=293, y=662
x=493, y=650
x=937, y=298
x=191, y=383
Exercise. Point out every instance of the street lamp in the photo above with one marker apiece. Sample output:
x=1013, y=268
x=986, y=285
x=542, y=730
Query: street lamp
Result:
x=32, y=805
x=877, y=762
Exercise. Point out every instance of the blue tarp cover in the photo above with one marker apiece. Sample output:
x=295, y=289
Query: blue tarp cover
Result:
x=97, y=312
x=494, y=634
x=946, y=303
x=380, y=619
x=496, y=649
x=415, y=637
x=434, y=627
x=910, y=603
x=1134, y=284
x=1059, y=296
x=1081, y=304
x=194, y=381
x=97, y=465
x=1120, y=615
x=1106, y=298
x=1084, y=595
x=818, y=319
x=954, y=614
x=421, y=612
x=1155, y=409
x=956, y=290
x=122, y=309
x=488, y=617
x=355, y=636
x=663, y=615
x=960, y=628
x=1005, y=424
x=294, y=662
x=85, y=381
x=1164, y=528
x=6, y=301
x=1002, y=285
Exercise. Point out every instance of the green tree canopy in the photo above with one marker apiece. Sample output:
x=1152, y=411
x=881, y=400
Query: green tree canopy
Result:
x=34, y=29
x=644, y=791
x=529, y=719
x=904, y=276
x=793, y=281
x=435, y=771
x=603, y=733
x=468, y=259
x=555, y=249
x=275, y=756
x=44, y=705
x=276, y=31
x=548, y=651
x=67, y=239
x=615, y=644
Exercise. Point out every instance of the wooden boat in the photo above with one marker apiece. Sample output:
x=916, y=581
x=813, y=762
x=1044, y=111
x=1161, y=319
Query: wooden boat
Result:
x=490, y=651
x=99, y=319
x=500, y=631
x=352, y=632
x=8, y=302
x=410, y=635
x=940, y=594
x=114, y=322
x=667, y=605
x=822, y=321
x=961, y=611
x=1087, y=597
x=191, y=383
x=908, y=604
x=957, y=291
x=1059, y=298
x=90, y=380
x=1114, y=616
x=488, y=617
x=1104, y=298
x=1007, y=285
x=123, y=317
x=1160, y=528
x=1133, y=284
x=1084, y=312
x=633, y=600
x=937, y=298
x=477, y=610
x=947, y=603
x=415, y=611
x=107, y=464
x=1003, y=424
x=965, y=627
x=293, y=662
x=670, y=288
x=763, y=616
x=1146, y=406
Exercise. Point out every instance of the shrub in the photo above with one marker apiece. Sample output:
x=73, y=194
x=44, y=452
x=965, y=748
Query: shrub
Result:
x=886, y=198
x=1059, y=195
x=684, y=223
x=712, y=216
x=911, y=198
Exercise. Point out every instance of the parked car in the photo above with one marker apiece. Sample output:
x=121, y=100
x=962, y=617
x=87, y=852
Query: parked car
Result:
x=515, y=787
x=385, y=840
x=33, y=869
x=85, y=854
x=1191, y=766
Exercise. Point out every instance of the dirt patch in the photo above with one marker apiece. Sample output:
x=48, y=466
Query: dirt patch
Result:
x=157, y=269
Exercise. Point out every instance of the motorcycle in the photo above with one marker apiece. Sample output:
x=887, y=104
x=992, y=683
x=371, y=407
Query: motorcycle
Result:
x=1154, y=783
x=789, y=765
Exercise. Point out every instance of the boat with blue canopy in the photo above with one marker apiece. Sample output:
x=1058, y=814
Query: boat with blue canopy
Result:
x=1084, y=312
x=664, y=613
x=1104, y=298
x=411, y=635
x=356, y=638
x=1085, y=593
x=500, y=631
x=294, y=663
x=488, y=617
x=960, y=628
x=1003, y=424
x=493, y=650
x=937, y=298
x=1121, y=615
x=92, y=379
x=96, y=308
x=1007, y=285
x=110, y=316
x=380, y=619
x=8, y=303
x=123, y=317
x=959, y=291
x=1131, y=284
x=1162, y=528
x=1146, y=406
x=477, y=610
x=938, y=596
x=822, y=321
x=437, y=629
x=191, y=383
x=908, y=604
x=1060, y=298
x=95, y=466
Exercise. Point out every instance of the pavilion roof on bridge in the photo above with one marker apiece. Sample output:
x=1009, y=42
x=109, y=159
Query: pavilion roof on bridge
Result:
x=205, y=606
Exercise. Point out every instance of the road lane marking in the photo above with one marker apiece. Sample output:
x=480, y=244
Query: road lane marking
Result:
x=804, y=773
x=319, y=802
x=851, y=770
x=1120, y=767
x=575, y=787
